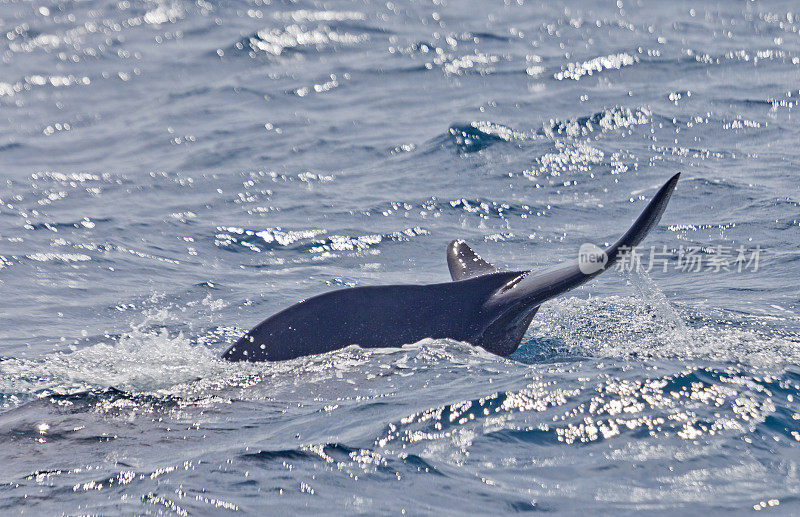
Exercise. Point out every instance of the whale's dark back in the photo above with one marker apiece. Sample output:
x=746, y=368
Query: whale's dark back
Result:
x=374, y=317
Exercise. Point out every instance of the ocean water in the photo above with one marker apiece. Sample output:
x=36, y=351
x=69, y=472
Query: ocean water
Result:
x=173, y=172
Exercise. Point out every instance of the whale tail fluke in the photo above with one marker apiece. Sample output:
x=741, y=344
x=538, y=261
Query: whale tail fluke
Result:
x=645, y=222
x=531, y=290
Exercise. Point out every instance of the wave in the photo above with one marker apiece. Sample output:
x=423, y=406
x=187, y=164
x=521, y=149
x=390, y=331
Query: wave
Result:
x=576, y=71
x=478, y=135
x=295, y=38
x=609, y=119
x=318, y=242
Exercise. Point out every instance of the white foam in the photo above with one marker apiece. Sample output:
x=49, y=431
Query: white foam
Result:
x=647, y=325
x=140, y=361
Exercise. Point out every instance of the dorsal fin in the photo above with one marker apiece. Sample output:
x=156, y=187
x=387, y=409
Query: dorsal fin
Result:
x=465, y=263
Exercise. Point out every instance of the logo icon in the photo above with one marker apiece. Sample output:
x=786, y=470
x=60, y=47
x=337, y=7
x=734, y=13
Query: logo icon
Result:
x=591, y=258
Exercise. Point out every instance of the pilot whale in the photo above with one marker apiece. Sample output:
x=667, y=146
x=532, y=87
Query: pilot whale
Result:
x=482, y=305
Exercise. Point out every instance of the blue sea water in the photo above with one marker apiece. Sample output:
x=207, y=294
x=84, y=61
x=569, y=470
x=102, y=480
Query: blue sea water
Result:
x=173, y=172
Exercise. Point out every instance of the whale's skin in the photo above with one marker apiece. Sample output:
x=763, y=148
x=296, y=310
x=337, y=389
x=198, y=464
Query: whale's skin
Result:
x=482, y=306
